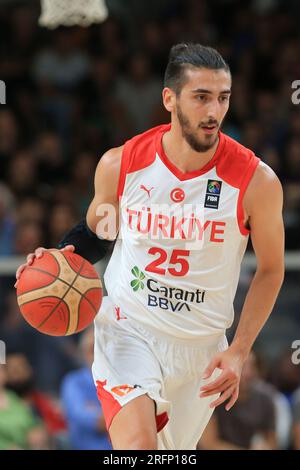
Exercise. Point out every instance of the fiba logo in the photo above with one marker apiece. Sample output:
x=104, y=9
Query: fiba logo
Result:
x=296, y=353
x=214, y=187
x=2, y=92
x=213, y=192
x=2, y=353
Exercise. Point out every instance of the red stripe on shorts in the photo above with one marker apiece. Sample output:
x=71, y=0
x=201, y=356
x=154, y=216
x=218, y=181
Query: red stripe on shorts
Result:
x=111, y=407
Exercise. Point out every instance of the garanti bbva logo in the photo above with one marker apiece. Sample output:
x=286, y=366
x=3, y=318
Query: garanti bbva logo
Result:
x=166, y=298
x=137, y=283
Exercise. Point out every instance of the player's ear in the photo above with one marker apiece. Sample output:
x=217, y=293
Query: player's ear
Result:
x=169, y=99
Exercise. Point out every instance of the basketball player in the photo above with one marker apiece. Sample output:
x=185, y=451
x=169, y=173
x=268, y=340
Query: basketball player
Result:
x=188, y=196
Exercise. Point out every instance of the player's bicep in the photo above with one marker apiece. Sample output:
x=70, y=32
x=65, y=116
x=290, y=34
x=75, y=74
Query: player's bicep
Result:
x=266, y=223
x=102, y=214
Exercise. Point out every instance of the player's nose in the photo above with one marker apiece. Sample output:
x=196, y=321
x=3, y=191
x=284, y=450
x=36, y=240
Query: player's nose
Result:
x=213, y=110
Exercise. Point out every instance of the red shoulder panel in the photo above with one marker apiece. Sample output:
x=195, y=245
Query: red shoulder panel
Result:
x=237, y=167
x=138, y=153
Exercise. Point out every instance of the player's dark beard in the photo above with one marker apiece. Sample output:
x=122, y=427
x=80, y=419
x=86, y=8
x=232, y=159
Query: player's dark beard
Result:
x=191, y=139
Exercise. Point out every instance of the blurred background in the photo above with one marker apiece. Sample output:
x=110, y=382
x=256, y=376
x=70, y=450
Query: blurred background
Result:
x=74, y=92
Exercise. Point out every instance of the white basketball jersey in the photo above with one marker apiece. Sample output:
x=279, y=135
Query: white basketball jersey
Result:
x=176, y=263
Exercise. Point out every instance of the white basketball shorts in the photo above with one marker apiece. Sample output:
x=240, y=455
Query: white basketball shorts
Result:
x=130, y=361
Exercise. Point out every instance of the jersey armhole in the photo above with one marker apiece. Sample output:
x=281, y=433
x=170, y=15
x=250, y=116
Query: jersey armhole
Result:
x=240, y=210
x=125, y=164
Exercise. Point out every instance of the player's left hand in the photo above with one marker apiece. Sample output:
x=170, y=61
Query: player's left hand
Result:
x=227, y=383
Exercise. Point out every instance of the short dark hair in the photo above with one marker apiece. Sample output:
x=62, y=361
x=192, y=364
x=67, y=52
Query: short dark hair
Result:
x=183, y=56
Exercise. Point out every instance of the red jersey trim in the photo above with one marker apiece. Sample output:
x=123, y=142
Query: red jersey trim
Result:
x=191, y=174
x=138, y=153
x=236, y=168
x=161, y=421
x=111, y=407
x=125, y=163
x=240, y=209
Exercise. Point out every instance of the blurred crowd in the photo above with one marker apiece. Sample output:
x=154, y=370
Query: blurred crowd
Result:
x=73, y=93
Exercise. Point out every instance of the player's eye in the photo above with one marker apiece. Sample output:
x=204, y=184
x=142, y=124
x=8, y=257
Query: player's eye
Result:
x=224, y=98
x=202, y=98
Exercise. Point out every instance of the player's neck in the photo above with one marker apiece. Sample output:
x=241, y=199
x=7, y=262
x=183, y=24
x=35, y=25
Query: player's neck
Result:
x=182, y=155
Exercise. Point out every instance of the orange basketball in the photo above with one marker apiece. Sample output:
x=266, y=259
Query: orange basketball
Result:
x=60, y=293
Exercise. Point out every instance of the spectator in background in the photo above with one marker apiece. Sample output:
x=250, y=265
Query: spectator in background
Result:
x=296, y=420
x=293, y=159
x=62, y=65
x=51, y=357
x=109, y=38
x=62, y=217
x=20, y=379
x=99, y=84
x=292, y=213
x=252, y=135
x=19, y=428
x=22, y=173
x=9, y=134
x=80, y=403
x=7, y=222
x=283, y=415
x=250, y=424
x=286, y=375
x=51, y=164
x=29, y=235
x=139, y=92
x=83, y=170
x=31, y=209
x=57, y=71
x=154, y=46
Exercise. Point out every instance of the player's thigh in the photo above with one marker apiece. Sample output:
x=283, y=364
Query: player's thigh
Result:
x=134, y=426
x=190, y=412
x=189, y=417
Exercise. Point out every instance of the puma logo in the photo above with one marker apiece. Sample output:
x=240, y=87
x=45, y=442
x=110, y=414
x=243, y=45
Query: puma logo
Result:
x=147, y=190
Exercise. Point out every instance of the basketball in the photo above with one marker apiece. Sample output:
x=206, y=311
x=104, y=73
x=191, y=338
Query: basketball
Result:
x=60, y=293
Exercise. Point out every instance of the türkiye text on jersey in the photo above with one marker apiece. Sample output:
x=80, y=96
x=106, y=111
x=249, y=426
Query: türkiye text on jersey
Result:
x=167, y=222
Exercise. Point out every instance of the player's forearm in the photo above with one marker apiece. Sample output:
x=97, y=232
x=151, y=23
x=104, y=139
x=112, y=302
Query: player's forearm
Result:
x=86, y=243
x=258, y=306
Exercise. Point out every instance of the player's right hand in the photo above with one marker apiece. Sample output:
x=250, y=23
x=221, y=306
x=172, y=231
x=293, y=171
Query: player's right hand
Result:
x=37, y=254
